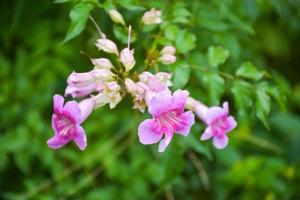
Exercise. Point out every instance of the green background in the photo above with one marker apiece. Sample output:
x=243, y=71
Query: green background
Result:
x=262, y=160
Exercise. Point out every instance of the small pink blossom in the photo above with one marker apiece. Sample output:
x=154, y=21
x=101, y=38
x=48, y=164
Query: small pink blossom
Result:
x=167, y=59
x=83, y=84
x=168, y=118
x=148, y=86
x=219, y=123
x=168, y=50
x=66, y=121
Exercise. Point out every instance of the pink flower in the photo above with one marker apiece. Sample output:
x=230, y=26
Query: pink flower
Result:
x=66, y=121
x=168, y=118
x=218, y=123
x=83, y=84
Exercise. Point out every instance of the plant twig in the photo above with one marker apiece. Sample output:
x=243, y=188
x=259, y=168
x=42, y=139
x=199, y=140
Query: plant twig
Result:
x=200, y=168
x=169, y=193
x=102, y=35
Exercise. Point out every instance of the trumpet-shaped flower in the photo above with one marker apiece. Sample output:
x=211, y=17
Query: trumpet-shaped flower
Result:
x=168, y=117
x=83, y=84
x=66, y=122
x=219, y=123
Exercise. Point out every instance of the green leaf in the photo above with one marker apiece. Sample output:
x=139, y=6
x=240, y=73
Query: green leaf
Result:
x=217, y=55
x=185, y=41
x=279, y=96
x=263, y=103
x=61, y=1
x=181, y=75
x=215, y=85
x=78, y=15
x=248, y=70
x=242, y=92
x=171, y=31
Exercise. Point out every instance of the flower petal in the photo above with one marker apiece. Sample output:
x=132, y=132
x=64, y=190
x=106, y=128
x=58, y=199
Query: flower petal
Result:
x=80, y=138
x=220, y=142
x=147, y=133
x=226, y=107
x=54, y=117
x=180, y=98
x=231, y=124
x=213, y=114
x=165, y=142
x=160, y=103
x=187, y=120
x=58, y=103
x=71, y=109
x=86, y=107
x=207, y=134
x=57, y=141
x=75, y=91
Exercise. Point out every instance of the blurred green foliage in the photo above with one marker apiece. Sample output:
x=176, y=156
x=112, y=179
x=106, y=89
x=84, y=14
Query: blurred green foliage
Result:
x=247, y=52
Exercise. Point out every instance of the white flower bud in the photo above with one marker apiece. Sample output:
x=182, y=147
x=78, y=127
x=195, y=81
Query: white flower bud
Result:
x=164, y=78
x=109, y=95
x=116, y=17
x=167, y=59
x=107, y=45
x=102, y=74
x=145, y=76
x=102, y=63
x=131, y=86
x=127, y=59
x=168, y=50
x=152, y=17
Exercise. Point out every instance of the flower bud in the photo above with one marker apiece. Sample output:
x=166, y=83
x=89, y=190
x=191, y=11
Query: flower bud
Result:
x=83, y=84
x=102, y=74
x=102, y=63
x=145, y=76
x=127, y=59
x=107, y=45
x=164, y=78
x=116, y=17
x=168, y=50
x=109, y=95
x=130, y=85
x=167, y=59
x=152, y=17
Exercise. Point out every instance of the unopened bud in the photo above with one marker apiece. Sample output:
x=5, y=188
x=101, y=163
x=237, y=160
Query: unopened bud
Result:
x=152, y=17
x=145, y=76
x=130, y=85
x=168, y=50
x=116, y=16
x=127, y=59
x=167, y=59
x=107, y=45
x=102, y=63
x=164, y=78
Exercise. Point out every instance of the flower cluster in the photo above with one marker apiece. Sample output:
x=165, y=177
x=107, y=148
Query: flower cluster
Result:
x=107, y=83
